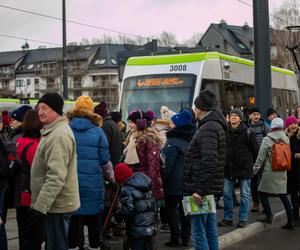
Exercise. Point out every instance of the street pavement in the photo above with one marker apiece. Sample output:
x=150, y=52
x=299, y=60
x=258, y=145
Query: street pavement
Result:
x=274, y=231
x=272, y=238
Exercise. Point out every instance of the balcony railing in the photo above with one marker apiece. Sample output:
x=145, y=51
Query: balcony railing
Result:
x=48, y=71
x=77, y=70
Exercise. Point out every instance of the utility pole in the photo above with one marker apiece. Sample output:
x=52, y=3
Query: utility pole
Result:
x=65, y=63
x=263, y=83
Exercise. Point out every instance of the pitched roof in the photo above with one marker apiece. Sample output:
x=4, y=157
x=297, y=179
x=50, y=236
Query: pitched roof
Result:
x=234, y=35
x=11, y=57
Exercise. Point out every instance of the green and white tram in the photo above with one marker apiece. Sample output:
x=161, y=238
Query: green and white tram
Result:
x=175, y=80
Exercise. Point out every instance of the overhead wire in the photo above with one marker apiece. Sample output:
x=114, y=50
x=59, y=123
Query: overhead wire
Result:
x=32, y=40
x=70, y=21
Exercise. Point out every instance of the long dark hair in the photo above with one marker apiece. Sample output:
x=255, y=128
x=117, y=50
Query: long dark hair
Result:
x=32, y=124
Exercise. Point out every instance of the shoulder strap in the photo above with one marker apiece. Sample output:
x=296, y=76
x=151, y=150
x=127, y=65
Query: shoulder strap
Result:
x=24, y=152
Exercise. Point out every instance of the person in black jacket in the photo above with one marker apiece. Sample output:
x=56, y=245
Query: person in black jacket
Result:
x=178, y=140
x=204, y=167
x=242, y=150
x=257, y=126
x=293, y=180
x=112, y=132
x=138, y=208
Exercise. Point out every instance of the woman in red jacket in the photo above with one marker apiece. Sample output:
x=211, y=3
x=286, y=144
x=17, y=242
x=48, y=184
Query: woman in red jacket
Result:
x=142, y=150
x=26, y=148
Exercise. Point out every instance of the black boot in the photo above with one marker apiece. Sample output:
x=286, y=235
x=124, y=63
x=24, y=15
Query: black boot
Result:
x=288, y=226
x=296, y=219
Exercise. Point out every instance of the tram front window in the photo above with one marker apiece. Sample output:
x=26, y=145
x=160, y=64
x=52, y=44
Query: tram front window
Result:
x=154, y=91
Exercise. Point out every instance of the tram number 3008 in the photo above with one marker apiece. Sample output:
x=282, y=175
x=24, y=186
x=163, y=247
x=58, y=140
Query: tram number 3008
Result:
x=180, y=67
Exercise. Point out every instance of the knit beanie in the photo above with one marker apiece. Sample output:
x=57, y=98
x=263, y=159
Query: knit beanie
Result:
x=116, y=116
x=101, y=109
x=136, y=114
x=122, y=172
x=271, y=111
x=254, y=110
x=238, y=112
x=205, y=100
x=84, y=102
x=183, y=118
x=5, y=118
x=277, y=123
x=290, y=120
x=166, y=113
x=54, y=101
x=19, y=113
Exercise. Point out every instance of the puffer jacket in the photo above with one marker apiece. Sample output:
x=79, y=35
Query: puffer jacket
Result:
x=178, y=140
x=205, y=158
x=138, y=207
x=92, y=153
x=259, y=130
x=242, y=150
x=148, y=147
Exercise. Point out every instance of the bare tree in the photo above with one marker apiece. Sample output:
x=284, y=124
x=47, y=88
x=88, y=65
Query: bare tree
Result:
x=288, y=14
x=193, y=41
x=167, y=39
x=84, y=41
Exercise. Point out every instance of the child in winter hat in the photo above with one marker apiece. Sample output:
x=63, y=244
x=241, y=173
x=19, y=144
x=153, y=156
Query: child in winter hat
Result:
x=122, y=172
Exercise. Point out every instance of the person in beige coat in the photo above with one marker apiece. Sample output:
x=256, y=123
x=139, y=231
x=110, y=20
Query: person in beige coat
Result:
x=54, y=182
x=273, y=182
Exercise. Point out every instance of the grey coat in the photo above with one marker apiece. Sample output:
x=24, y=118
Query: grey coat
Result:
x=274, y=182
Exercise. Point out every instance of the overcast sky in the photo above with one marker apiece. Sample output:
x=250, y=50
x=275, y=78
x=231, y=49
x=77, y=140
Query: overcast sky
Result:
x=139, y=17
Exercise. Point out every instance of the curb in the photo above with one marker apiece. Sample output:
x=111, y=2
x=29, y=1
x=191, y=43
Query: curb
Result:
x=252, y=229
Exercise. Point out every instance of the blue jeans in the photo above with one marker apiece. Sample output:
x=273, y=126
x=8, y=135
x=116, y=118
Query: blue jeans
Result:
x=57, y=226
x=245, y=198
x=204, y=232
x=3, y=238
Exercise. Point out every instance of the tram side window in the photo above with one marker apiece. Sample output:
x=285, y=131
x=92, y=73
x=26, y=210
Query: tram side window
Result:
x=213, y=86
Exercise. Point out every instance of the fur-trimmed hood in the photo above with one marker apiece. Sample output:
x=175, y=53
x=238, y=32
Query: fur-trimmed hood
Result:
x=148, y=134
x=95, y=118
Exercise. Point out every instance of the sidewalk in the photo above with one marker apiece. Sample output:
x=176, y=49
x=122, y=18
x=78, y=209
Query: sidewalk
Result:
x=227, y=235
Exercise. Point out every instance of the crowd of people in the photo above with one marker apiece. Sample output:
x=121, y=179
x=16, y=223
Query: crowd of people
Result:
x=62, y=172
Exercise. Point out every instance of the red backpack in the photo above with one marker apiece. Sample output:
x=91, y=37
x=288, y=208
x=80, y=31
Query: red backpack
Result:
x=281, y=156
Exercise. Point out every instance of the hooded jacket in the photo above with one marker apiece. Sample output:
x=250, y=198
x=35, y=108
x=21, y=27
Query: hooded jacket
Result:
x=138, y=207
x=148, y=145
x=92, y=153
x=205, y=158
x=274, y=182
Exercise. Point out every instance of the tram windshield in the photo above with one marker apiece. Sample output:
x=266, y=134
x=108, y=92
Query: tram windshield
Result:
x=145, y=92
